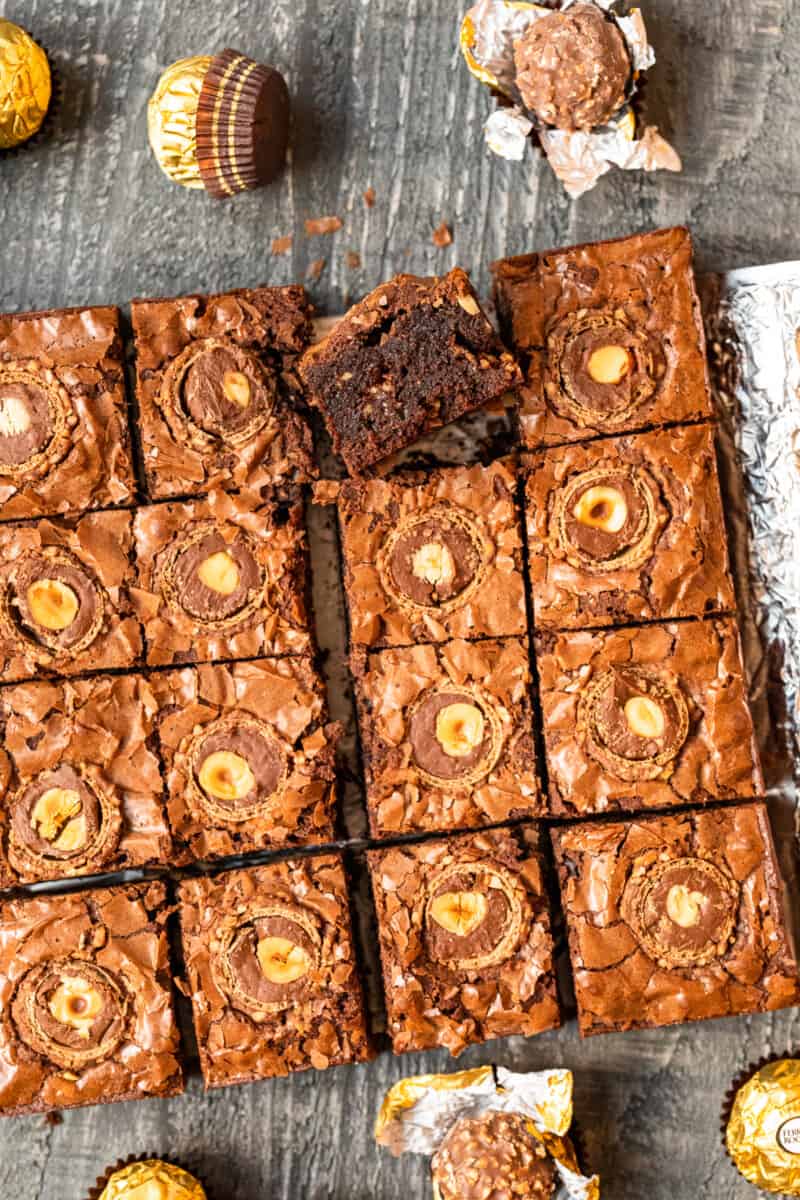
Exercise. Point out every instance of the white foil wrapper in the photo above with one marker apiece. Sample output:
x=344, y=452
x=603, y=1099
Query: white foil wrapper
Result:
x=488, y=33
x=418, y=1113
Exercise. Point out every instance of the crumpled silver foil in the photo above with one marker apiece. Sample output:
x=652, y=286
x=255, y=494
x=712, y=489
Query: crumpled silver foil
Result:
x=753, y=328
x=488, y=33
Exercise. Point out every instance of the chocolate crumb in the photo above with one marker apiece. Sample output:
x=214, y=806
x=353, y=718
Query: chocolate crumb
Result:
x=53, y=1119
x=442, y=236
x=282, y=245
x=317, y=226
x=353, y=260
x=369, y=197
x=315, y=269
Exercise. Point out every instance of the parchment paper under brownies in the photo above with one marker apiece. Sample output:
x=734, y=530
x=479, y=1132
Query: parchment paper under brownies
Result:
x=64, y=441
x=628, y=529
x=86, y=1012
x=447, y=736
x=222, y=578
x=675, y=918
x=218, y=396
x=645, y=718
x=465, y=939
x=428, y=557
x=65, y=596
x=80, y=778
x=272, y=972
x=249, y=756
x=609, y=336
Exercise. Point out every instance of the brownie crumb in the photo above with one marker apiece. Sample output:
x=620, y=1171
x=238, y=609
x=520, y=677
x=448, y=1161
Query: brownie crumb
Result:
x=442, y=236
x=53, y=1119
x=317, y=226
x=369, y=197
x=353, y=260
x=315, y=269
x=282, y=245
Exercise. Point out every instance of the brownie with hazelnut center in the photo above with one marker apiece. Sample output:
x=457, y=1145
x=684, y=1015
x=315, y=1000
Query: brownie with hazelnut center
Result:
x=609, y=336
x=220, y=405
x=628, y=529
x=415, y=354
x=447, y=735
x=465, y=939
x=271, y=970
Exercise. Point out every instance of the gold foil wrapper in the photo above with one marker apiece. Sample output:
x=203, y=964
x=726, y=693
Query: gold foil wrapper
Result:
x=152, y=1180
x=171, y=119
x=25, y=86
x=417, y=1113
x=763, y=1132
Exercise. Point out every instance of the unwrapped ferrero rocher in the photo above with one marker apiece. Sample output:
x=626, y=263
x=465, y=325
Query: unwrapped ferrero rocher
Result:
x=220, y=123
x=490, y=1133
x=150, y=1179
x=25, y=86
x=763, y=1130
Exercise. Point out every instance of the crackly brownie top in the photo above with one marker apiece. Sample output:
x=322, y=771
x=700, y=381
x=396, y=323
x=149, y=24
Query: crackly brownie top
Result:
x=434, y=556
x=81, y=779
x=413, y=355
x=217, y=390
x=493, y=1157
x=63, y=424
x=85, y=998
x=573, y=67
x=675, y=918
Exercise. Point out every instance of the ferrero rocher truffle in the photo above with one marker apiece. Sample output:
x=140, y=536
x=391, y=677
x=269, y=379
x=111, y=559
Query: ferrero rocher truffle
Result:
x=151, y=1180
x=763, y=1131
x=220, y=123
x=25, y=86
x=573, y=68
x=497, y=1156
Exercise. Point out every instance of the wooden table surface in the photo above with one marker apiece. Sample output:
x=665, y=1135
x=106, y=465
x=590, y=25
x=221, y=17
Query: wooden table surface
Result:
x=382, y=99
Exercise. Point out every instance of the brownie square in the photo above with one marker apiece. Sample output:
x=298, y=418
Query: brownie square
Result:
x=646, y=718
x=249, y=756
x=222, y=578
x=64, y=439
x=86, y=1012
x=413, y=355
x=272, y=971
x=80, y=778
x=675, y=918
x=219, y=401
x=465, y=939
x=65, y=596
x=628, y=529
x=609, y=336
x=429, y=557
x=447, y=736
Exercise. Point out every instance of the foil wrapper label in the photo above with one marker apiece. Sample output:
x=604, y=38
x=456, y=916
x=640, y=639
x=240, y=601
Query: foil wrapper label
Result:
x=417, y=1113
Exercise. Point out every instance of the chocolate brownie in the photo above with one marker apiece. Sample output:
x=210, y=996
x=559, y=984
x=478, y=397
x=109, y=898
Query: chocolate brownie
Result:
x=414, y=355
x=609, y=336
x=675, y=918
x=86, y=1012
x=219, y=401
x=222, y=578
x=80, y=778
x=64, y=440
x=628, y=529
x=447, y=736
x=249, y=756
x=646, y=718
x=65, y=596
x=428, y=557
x=272, y=972
x=465, y=939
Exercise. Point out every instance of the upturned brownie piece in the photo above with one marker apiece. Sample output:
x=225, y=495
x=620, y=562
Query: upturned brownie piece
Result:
x=465, y=939
x=219, y=400
x=65, y=601
x=628, y=529
x=413, y=355
x=609, y=336
x=432, y=556
x=81, y=780
x=86, y=1013
x=272, y=971
x=222, y=578
x=675, y=918
x=447, y=736
x=249, y=756
x=64, y=440
x=646, y=718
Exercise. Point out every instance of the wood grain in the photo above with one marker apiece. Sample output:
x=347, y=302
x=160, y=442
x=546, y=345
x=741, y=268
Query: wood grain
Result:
x=382, y=100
